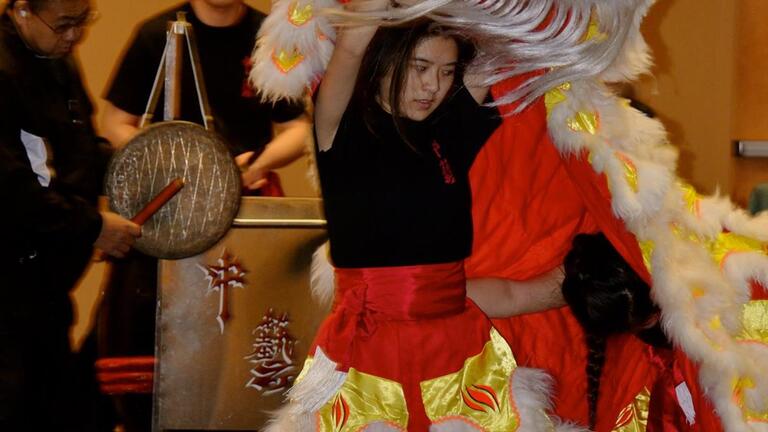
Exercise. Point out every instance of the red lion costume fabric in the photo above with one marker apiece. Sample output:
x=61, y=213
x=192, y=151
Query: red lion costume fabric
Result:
x=528, y=204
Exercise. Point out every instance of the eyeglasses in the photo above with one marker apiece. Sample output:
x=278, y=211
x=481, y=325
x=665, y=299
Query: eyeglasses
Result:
x=61, y=29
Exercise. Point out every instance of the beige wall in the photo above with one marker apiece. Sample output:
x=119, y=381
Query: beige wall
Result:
x=710, y=87
x=691, y=88
x=750, y=108
x=98, y=53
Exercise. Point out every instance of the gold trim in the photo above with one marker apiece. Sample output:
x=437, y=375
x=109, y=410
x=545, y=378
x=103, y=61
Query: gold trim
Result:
x=480, y=393
x=634, y=417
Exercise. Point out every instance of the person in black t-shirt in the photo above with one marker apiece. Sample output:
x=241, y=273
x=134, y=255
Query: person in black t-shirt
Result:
x=225, y=31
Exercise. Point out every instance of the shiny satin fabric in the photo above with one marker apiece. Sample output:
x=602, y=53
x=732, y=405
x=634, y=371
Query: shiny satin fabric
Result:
x=755, y=319
x=364, y=400
x=403, y=293
x=479, y=395
x=634, y=417
x=484, y=385
x=403, y=325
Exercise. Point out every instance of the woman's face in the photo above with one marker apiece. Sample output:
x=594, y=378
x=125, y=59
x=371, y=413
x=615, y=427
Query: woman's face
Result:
x=430, y=76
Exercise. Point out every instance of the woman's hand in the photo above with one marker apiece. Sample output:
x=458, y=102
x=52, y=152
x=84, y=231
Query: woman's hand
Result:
x=253, y=175
x=338, y=84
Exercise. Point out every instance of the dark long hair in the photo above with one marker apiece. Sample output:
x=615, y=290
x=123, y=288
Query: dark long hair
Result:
x=607, y=297
x=391, y=50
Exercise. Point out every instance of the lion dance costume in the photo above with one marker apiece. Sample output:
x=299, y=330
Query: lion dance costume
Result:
x=571, y=157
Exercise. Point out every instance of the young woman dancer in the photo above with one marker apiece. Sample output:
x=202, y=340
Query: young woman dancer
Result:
x=397, y=129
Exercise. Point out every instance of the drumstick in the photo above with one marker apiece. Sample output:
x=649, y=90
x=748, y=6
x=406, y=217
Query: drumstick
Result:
x=152, y=207
x=158, y=201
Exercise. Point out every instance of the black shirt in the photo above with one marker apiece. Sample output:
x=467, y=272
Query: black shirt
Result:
x=389, y=202
x=241, y=118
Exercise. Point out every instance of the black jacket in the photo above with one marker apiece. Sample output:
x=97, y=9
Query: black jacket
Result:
x=47, y=232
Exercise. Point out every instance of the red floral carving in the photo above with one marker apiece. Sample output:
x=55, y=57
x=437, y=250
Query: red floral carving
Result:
x=226, y=274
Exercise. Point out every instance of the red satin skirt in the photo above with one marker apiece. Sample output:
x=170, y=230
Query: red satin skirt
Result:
x=404, y=324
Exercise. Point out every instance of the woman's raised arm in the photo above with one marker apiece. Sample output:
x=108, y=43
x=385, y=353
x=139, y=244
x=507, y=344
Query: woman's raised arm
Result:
x=338, y=83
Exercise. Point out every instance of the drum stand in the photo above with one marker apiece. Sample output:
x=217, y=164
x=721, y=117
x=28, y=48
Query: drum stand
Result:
x=169, y=75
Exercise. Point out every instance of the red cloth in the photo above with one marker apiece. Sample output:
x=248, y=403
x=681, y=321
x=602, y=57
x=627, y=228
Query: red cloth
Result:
x=666, y=413
x=273, y=187
x=758, y=291
x=525, y=207
x=528, y=204
x=123, y=375
x=406, y=324
x=627, y=371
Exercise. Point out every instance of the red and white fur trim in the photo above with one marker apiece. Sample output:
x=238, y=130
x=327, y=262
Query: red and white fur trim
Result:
x=701, y=305
x=295, y=28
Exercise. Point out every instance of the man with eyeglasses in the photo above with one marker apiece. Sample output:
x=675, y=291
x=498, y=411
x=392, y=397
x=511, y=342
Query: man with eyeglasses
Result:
x=51, y=172
x=225, y=31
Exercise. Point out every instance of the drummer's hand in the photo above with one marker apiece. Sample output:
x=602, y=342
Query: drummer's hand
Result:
x=253, y=175
x=117, y=234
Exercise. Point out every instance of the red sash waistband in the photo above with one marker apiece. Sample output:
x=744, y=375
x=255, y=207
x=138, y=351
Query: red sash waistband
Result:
x=403, y=293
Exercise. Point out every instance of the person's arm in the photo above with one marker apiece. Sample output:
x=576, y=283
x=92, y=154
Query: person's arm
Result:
x=47, y=214
x=132, y=80
x=118, y=126
x=43, y=212
x=500, y=298
x=287, y=146
x=338, y=84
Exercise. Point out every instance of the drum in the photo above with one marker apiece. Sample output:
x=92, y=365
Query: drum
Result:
x=201, y=213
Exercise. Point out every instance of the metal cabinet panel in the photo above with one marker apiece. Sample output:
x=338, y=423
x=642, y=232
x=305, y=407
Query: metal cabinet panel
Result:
x=235, y=323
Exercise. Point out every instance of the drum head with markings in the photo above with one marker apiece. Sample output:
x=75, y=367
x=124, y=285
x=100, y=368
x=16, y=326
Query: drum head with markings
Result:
x=201, y=213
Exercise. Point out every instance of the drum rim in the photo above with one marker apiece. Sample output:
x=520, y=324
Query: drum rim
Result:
x=198, y=129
